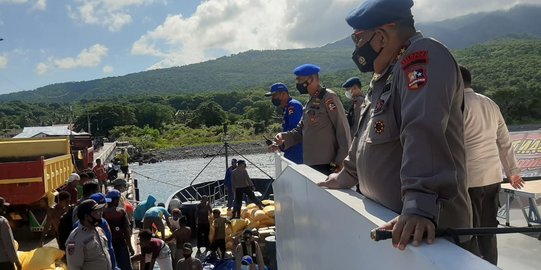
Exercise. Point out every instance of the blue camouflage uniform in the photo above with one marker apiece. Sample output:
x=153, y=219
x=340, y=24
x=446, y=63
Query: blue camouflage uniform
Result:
x=292, y=117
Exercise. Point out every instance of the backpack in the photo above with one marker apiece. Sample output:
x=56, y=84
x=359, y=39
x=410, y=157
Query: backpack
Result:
x=65, y=226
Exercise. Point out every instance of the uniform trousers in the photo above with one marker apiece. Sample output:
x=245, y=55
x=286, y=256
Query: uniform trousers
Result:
x=122, y=255
x=485, y=204
x=203, y=230
x=239, y=194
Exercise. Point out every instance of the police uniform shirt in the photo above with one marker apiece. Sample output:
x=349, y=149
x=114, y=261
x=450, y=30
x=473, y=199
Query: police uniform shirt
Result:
x=86, y=249
x=292, y=118
x=408, y=153
x=324, y=130
x=354, y=113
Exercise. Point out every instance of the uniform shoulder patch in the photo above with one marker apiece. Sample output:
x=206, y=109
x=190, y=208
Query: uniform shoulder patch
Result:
x=416, y=78
x=415, y=58
x=291, y=110
x=71, y=248
x=330, y=105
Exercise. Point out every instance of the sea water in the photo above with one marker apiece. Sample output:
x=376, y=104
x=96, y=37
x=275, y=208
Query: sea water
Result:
x=165, y=178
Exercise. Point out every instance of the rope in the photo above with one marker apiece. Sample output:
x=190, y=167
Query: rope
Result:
x=154, y=179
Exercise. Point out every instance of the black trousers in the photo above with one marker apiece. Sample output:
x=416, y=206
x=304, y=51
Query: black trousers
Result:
x=203, y=235
x=218, y=244
x=485, y=204
x=239, y=194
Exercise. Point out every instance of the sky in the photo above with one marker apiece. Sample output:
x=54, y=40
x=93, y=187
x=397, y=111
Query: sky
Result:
x=54, y=41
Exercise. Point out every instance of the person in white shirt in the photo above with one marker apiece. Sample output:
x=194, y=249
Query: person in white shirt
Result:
x=488, y=147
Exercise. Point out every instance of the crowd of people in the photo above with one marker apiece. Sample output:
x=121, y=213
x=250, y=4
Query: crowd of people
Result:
x=418, y=140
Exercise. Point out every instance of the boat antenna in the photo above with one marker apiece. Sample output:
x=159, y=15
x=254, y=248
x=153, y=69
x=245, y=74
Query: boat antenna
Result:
x=226, y=145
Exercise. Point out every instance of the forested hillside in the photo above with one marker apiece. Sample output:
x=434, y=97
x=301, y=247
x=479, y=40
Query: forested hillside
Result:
x=505, y=69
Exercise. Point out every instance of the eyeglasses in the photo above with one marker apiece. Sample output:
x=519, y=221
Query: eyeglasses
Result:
x=359, y=35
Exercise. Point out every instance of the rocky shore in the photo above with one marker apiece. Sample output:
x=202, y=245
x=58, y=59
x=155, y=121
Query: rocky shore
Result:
x=153, y=156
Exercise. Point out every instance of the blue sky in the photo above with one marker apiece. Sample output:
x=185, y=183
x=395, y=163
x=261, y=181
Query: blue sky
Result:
x=54, y=41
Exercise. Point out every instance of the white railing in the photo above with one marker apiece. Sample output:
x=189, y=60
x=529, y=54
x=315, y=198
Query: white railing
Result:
x=319, y=229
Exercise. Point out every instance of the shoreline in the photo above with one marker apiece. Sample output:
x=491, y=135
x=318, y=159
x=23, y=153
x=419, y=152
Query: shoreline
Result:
x=200, y=151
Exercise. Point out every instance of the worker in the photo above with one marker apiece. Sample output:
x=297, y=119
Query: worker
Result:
x=124, y=158
x=119, y=223
x=249, y=247
x=243, y=185
x=8, y=252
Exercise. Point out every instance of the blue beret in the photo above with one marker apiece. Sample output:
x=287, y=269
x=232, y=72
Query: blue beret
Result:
x=373, y=13
x=351, y=82
x=277, y=87
x=306, y=70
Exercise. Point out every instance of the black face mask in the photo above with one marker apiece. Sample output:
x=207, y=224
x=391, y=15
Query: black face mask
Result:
x=276, y=102
x=364, y=57
x=303, y=87
x=186, y=256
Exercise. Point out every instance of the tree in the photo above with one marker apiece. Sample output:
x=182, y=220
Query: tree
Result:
x=209, y=114
x=154, y=115
x=105, y=117
x=260, y=111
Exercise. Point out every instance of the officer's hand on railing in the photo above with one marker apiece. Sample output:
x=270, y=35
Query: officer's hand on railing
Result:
x=406, y=226
x=516, y=181
x=331, y=182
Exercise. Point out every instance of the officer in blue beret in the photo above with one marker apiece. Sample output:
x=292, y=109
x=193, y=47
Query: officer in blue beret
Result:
x=324, y=129
x=410, y=144
x=353, y=91
x=292, y=110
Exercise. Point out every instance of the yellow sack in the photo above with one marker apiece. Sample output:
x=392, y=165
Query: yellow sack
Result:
x=253, y=225
x=269, y=210
x=259, y=215
x=251, y=206
x=168, y=233
x=267, y=222
x=267, y=202
x=24, y=257
x=16, y=244
x=251, y=213
x=43, y=258
x=237, y=225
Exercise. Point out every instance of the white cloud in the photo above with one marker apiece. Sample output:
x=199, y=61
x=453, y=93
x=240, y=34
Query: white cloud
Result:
x=42, y=68
x=3, y=61
x=238, y=25
x=90, y=57
x=113, y=14
x=107, y=69
x=38, y=4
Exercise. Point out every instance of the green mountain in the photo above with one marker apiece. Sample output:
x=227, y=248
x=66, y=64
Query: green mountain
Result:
x=259, y=69
x=468, y=30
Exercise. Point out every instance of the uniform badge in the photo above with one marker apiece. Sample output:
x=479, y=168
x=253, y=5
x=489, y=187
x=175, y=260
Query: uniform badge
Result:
x=416, y=78
x=291, y=110
x=312, y=116
x=379, y=105
x=71, y=248
x=379, y=127
x=330, y=105
x=416, y=58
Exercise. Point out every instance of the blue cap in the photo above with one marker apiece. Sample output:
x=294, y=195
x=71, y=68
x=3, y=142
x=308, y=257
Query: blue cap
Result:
x=113, y=194
x=247, y=260
x=351, y=82
x=277, y=87
x=306, y=70
x=100, y=198
x=373, y=13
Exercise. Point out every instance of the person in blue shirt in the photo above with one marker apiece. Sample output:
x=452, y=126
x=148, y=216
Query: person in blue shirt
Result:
x=141, y=209
x=228, y=184
x=293, y=111
x=155, y=215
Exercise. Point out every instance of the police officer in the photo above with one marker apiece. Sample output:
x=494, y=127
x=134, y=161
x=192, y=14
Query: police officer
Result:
x=86, y=247
x=324, y=130
x=292, y=110
x=410, y=145
x=353, y=91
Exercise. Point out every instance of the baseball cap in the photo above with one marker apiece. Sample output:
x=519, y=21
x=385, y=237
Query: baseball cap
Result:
x=247, y=260
x=100, y=198
x=277, y=87
x=351, y=82
x=113, y=194
x=187, y=247
x=73, y=177
x=86, y=207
